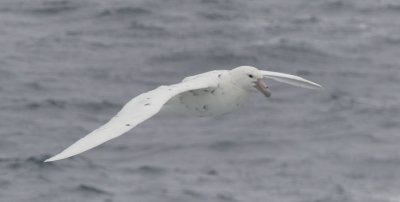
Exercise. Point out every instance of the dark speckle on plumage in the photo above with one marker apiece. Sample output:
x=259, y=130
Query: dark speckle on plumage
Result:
x=194, y=93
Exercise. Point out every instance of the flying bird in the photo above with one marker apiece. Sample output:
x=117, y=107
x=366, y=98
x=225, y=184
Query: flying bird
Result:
x=207, y=94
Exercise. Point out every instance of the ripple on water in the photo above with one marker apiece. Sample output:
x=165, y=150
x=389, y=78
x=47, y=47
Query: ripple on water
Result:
x=45, y=8
x=92, y=189
x=47, y=103
x=55, y=7
x=212, y=55
x=148, y=170
x=146, y=29
x=224, y=145
x=193, y=194
x=123, y=12
x=52, y=103
x=28, y=162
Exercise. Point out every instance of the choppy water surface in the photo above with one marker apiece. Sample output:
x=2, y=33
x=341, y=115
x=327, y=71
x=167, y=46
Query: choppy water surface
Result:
x=67, y=66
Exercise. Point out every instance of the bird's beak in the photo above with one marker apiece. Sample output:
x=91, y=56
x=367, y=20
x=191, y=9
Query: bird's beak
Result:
x=262, y=87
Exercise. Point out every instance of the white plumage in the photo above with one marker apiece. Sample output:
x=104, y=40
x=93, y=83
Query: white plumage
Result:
x=207, y=94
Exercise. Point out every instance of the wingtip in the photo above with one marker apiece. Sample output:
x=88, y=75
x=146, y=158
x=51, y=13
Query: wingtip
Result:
x=48, y=160
x=311, y=85
x=54, y=158
x=318, y=87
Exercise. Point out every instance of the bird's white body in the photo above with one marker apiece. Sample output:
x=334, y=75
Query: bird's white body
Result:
x=223, y=98
x=207, y=94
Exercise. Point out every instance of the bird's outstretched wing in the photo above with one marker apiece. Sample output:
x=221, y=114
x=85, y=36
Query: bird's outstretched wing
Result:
x=291, y=79
x=133, y=113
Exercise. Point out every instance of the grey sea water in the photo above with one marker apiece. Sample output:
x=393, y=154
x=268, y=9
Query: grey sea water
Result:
x=67, y=66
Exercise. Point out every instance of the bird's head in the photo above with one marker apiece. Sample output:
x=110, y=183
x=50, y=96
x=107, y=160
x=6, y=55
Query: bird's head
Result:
x=249, y=78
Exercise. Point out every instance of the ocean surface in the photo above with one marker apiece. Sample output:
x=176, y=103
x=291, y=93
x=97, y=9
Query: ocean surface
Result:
x=67, y=66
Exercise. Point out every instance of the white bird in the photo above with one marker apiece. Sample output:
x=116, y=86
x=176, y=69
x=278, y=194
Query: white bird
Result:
x=207, y=94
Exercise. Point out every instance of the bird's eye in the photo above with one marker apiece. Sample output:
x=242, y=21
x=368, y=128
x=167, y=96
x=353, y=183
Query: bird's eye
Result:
x=251, y=76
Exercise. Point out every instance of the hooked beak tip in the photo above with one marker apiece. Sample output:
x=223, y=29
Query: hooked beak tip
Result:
x=263, y=88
